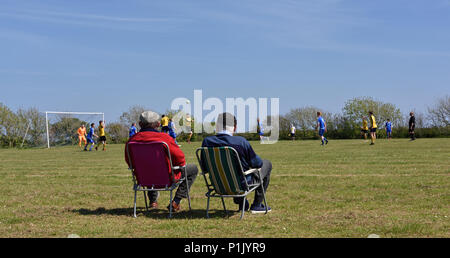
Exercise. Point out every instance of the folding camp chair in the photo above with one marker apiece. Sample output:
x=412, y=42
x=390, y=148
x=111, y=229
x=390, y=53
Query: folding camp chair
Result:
x=151, y=171
x=227, y=178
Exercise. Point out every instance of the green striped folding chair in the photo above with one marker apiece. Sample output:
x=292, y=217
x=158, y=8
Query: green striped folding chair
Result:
x=225, y=177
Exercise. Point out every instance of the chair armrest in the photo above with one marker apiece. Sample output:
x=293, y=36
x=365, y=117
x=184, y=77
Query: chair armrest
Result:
x=251, y=171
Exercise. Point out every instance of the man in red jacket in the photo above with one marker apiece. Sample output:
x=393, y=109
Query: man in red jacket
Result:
x=149, y=122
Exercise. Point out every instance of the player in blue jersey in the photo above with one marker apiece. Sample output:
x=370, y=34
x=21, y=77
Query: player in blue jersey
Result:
x=172, y=129
x=322, y=127
x=260, y=129
x=90, y=137
x=388, y=127
x=133, y=130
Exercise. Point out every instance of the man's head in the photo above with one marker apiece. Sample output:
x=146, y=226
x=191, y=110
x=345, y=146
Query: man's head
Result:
x=370, y=112
x=226, y=122
x=133, y=124
x=319, y=113
x=82, y=125
x=411, y=114
x=100, y=122
x=92, y=125
x=389, y=120
x=149, y=119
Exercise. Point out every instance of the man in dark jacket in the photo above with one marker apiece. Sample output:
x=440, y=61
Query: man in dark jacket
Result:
x=225, y=127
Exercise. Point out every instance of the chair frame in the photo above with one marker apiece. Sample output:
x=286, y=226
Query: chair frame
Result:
x=248, y=187
x=175, y=183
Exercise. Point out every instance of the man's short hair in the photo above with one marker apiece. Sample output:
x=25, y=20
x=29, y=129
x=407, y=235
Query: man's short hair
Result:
x=225, y=120
x=149, y=119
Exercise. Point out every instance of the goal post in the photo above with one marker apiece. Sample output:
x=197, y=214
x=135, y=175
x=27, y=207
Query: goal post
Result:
x=66, y=113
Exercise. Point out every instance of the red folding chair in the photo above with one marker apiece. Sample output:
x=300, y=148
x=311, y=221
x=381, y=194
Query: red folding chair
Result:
x=151, y=166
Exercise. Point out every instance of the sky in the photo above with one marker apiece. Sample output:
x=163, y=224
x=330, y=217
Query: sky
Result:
x=108, y=55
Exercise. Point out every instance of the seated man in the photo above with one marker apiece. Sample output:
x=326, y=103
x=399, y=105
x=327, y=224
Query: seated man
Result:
x=149, y=123
x=225, y=128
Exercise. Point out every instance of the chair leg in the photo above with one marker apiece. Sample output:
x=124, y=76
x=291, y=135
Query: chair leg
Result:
x=187, y=186
x=134, y=210
x=265, y=202
x=264, y=193
x=207, y=208
x=145, y=198
x=224, y=207
x=243, y=208
x=170, y=205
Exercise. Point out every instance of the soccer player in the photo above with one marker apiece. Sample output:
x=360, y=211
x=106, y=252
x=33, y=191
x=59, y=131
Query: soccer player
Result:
x=164, y=124
x=101, y=132
x=364, y=128
x=90, y=137
x=260, y=129
x=322, y=127
x=189, y=127
x=412, y=126
x=293, y=129
x=81, y=135
x=373, y=128
x=388, y=128
x=172, y=131
x=133, y=130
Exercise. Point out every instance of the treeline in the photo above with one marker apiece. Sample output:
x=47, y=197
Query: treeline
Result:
x=347, y=124
x=435, y=122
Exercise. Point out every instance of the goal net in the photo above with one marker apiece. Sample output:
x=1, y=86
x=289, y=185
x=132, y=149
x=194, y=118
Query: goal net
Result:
x=61, y=127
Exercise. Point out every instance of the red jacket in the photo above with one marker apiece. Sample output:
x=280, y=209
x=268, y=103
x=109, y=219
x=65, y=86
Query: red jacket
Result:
x=154, y=136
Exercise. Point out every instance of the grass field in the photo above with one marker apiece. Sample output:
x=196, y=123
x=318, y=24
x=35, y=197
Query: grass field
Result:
x=346, y=189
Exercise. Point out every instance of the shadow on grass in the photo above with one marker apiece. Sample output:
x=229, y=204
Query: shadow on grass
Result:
x=158, y=213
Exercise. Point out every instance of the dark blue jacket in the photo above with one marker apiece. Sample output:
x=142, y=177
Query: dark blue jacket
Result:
x=248, y=157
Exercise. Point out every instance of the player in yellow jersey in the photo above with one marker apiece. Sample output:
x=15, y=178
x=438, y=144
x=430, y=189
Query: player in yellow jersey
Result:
x=373, y=128
x=365, y=127
x=81, y=135
x=165, y=124
x=101, y=134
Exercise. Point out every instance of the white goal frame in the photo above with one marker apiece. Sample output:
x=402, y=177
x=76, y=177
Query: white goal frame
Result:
x=67, y=113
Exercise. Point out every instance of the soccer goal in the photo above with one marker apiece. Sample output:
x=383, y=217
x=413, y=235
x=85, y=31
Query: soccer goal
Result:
x=61, y=126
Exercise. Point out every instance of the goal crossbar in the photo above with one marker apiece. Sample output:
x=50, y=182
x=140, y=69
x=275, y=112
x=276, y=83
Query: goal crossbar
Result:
x=67, y=113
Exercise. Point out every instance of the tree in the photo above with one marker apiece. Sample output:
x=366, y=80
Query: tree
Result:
x=9, y=129
x=305, y=119
x=64, y=131
x=132, y=115
x=439, y=114
x=36, y=121
x=355, y=109
x=118, y=132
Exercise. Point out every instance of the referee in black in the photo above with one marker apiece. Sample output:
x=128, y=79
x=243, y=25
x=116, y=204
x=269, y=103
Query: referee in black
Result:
x=412, y=126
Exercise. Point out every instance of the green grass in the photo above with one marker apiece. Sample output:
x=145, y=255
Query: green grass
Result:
x=346, y=189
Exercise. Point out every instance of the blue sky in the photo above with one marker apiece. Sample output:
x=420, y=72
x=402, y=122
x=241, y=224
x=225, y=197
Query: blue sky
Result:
x=109, y=55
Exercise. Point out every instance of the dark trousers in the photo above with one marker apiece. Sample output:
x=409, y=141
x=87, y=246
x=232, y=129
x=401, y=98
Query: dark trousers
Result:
x=411, y=133
x=182, y=191
x=266, y=169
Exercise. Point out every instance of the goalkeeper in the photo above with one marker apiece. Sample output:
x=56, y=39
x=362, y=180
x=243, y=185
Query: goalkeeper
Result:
x=81, y=135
